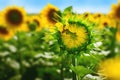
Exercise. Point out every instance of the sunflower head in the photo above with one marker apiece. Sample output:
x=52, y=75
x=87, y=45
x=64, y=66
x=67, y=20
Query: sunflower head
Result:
x=39, y=23
x=86, y=15
x=32, y=26
x=5, y=34
x=110, y=69
x=116, y=11
x=50, y=14
x=74, y=35
x=97, y=15
x=106, y=22
x=34, y=23
x=14, y=16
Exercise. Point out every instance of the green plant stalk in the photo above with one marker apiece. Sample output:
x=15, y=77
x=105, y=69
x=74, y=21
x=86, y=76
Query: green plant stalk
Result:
x=62, y=72
x=79, y=78
x=74, y=76
x=113, y=42
x=62, y=64
x=19, y=54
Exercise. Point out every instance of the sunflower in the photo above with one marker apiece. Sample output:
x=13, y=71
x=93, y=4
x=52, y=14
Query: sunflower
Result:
x=50, y=15
x=5, y=34
x=118, y=35
x=86, y=15
x=110, y=69
x=116, y=11
x=96, y=18
x=14, y=17
x=36, y=19
x=106, y=22
x=74, y=35
x=97, y=15
x=90, y=17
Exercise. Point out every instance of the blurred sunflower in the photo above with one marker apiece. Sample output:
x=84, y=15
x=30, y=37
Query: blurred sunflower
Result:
x=5, y=34
x=106, y=22
x=50, y=15
x=1, y=21
x=116, y=11
x=97, y=15
x=110, y=69
x=96, y=18
x=86, y=15
x=74, y=35
x=118, y=35
x=90, y=17
x=36, y=19
x=14, y=17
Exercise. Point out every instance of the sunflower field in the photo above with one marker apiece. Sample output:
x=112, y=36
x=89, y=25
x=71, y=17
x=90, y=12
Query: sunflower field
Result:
x=59, y=45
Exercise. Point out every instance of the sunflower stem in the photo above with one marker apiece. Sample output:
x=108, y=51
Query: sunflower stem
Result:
x=62, y=64
x=74, y=76
x=19, y=54
x=62, y=72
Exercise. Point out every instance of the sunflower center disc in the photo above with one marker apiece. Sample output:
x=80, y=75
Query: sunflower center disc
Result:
x=14, y=17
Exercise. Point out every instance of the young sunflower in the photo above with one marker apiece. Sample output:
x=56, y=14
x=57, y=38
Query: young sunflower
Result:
x=14, y=17
x=50, y=15
x=110, y=69
x=74, y=35
x=116, y=11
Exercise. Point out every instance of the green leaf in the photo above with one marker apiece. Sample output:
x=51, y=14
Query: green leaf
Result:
x=81, y=71
x=68, y=10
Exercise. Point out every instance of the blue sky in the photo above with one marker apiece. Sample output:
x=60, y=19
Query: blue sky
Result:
x=79, y=6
